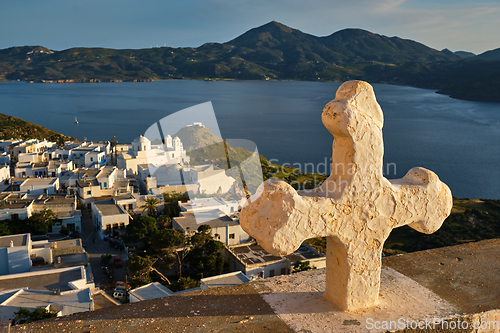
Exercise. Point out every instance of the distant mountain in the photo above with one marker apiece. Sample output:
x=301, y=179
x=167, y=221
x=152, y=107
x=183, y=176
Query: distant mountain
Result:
x=271, y=51
x=16, y=128
x=490, y=55
x=464, y=54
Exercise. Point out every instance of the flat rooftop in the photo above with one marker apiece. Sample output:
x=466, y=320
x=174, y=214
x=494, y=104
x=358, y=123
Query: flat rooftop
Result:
x=39, y=181
x=105, y=172
x=41, y=280
x=86, y=173
x=83, y=149
x=212, y=218
x=15, y=204
x=18, y=240
x=252, y=253
x=225, y=280
x=109, y=207
x=151, y=291
x=87, y=183
x=31, y=299
x=55, y=199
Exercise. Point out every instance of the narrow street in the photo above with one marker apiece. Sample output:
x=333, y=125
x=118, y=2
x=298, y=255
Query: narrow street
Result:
x=95, y=250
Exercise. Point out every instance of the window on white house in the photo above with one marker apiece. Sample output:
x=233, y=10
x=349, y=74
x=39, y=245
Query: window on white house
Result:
x=231, y=236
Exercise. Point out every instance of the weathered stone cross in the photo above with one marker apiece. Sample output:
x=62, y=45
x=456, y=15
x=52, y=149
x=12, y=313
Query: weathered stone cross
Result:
x=355, y=208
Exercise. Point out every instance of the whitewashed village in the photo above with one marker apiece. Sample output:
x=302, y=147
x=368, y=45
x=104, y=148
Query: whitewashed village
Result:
x=105, y=223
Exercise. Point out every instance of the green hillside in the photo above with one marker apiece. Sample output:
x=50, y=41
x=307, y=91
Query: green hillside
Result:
x=15, y=128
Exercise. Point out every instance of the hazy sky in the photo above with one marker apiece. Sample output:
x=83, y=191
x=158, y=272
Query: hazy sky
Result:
x=469, y=25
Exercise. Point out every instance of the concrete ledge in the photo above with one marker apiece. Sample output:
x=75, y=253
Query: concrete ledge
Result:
x=297, y=300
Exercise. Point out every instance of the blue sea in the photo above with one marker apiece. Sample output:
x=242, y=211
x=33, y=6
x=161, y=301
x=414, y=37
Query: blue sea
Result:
x=459, y=140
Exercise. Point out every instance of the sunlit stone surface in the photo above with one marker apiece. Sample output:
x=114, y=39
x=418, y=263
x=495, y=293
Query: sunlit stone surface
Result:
x=355, y=208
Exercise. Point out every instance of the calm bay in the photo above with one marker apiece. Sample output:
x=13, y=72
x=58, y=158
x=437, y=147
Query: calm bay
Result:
x=459, y=140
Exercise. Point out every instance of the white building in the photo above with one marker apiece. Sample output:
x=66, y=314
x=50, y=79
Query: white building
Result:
x=93, y=183
x=15, y=252
x=18, y=251
x=196, y=205
x=143, y=152
x=59, y=168
x=15, y=206
x=4, y=172
x=223, y=228
x=107, y=215
x=30, y=157
x=64, y=290
x=95, y=159
x=253, y=260
x=149, y=291
x=64, y=207
x=206, y=179
x=40, y=186
x=224, y=280
x=64, y=303
x=31, y=169
x=4, y=158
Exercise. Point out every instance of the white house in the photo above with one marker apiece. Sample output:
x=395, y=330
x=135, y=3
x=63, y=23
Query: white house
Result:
x=224, y=280
x=4, y=172
x=64, y=290
x=149, y=291
x=64, y=206
x=95, y=183
x=30, y=157
x=143, y=152
x=223, y=228
x=87, y=190
x=90, y=155
x=196, y=205
x=107, y=215
x=59, y=168
x=15, y=207
x=40, y=186
x=4, y=158
x=207, y=179
x=210, y=178
x=31, y=169
x=15, y=252
x=253, y=260
x=128, y=201
x=95, y=159
x=64, y=303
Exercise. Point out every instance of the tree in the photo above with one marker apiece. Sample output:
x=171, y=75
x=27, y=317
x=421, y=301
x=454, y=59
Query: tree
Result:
x=165, y=222
x=64, y=231
x=206, y=253
x=25, y=316
x=4, y=228
x=151, y=205
x=170, y=246
x=174, y=197
x=301, y=266
x=142, y=228
x=184, y=283
x=140, y=269
x=40, y=222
